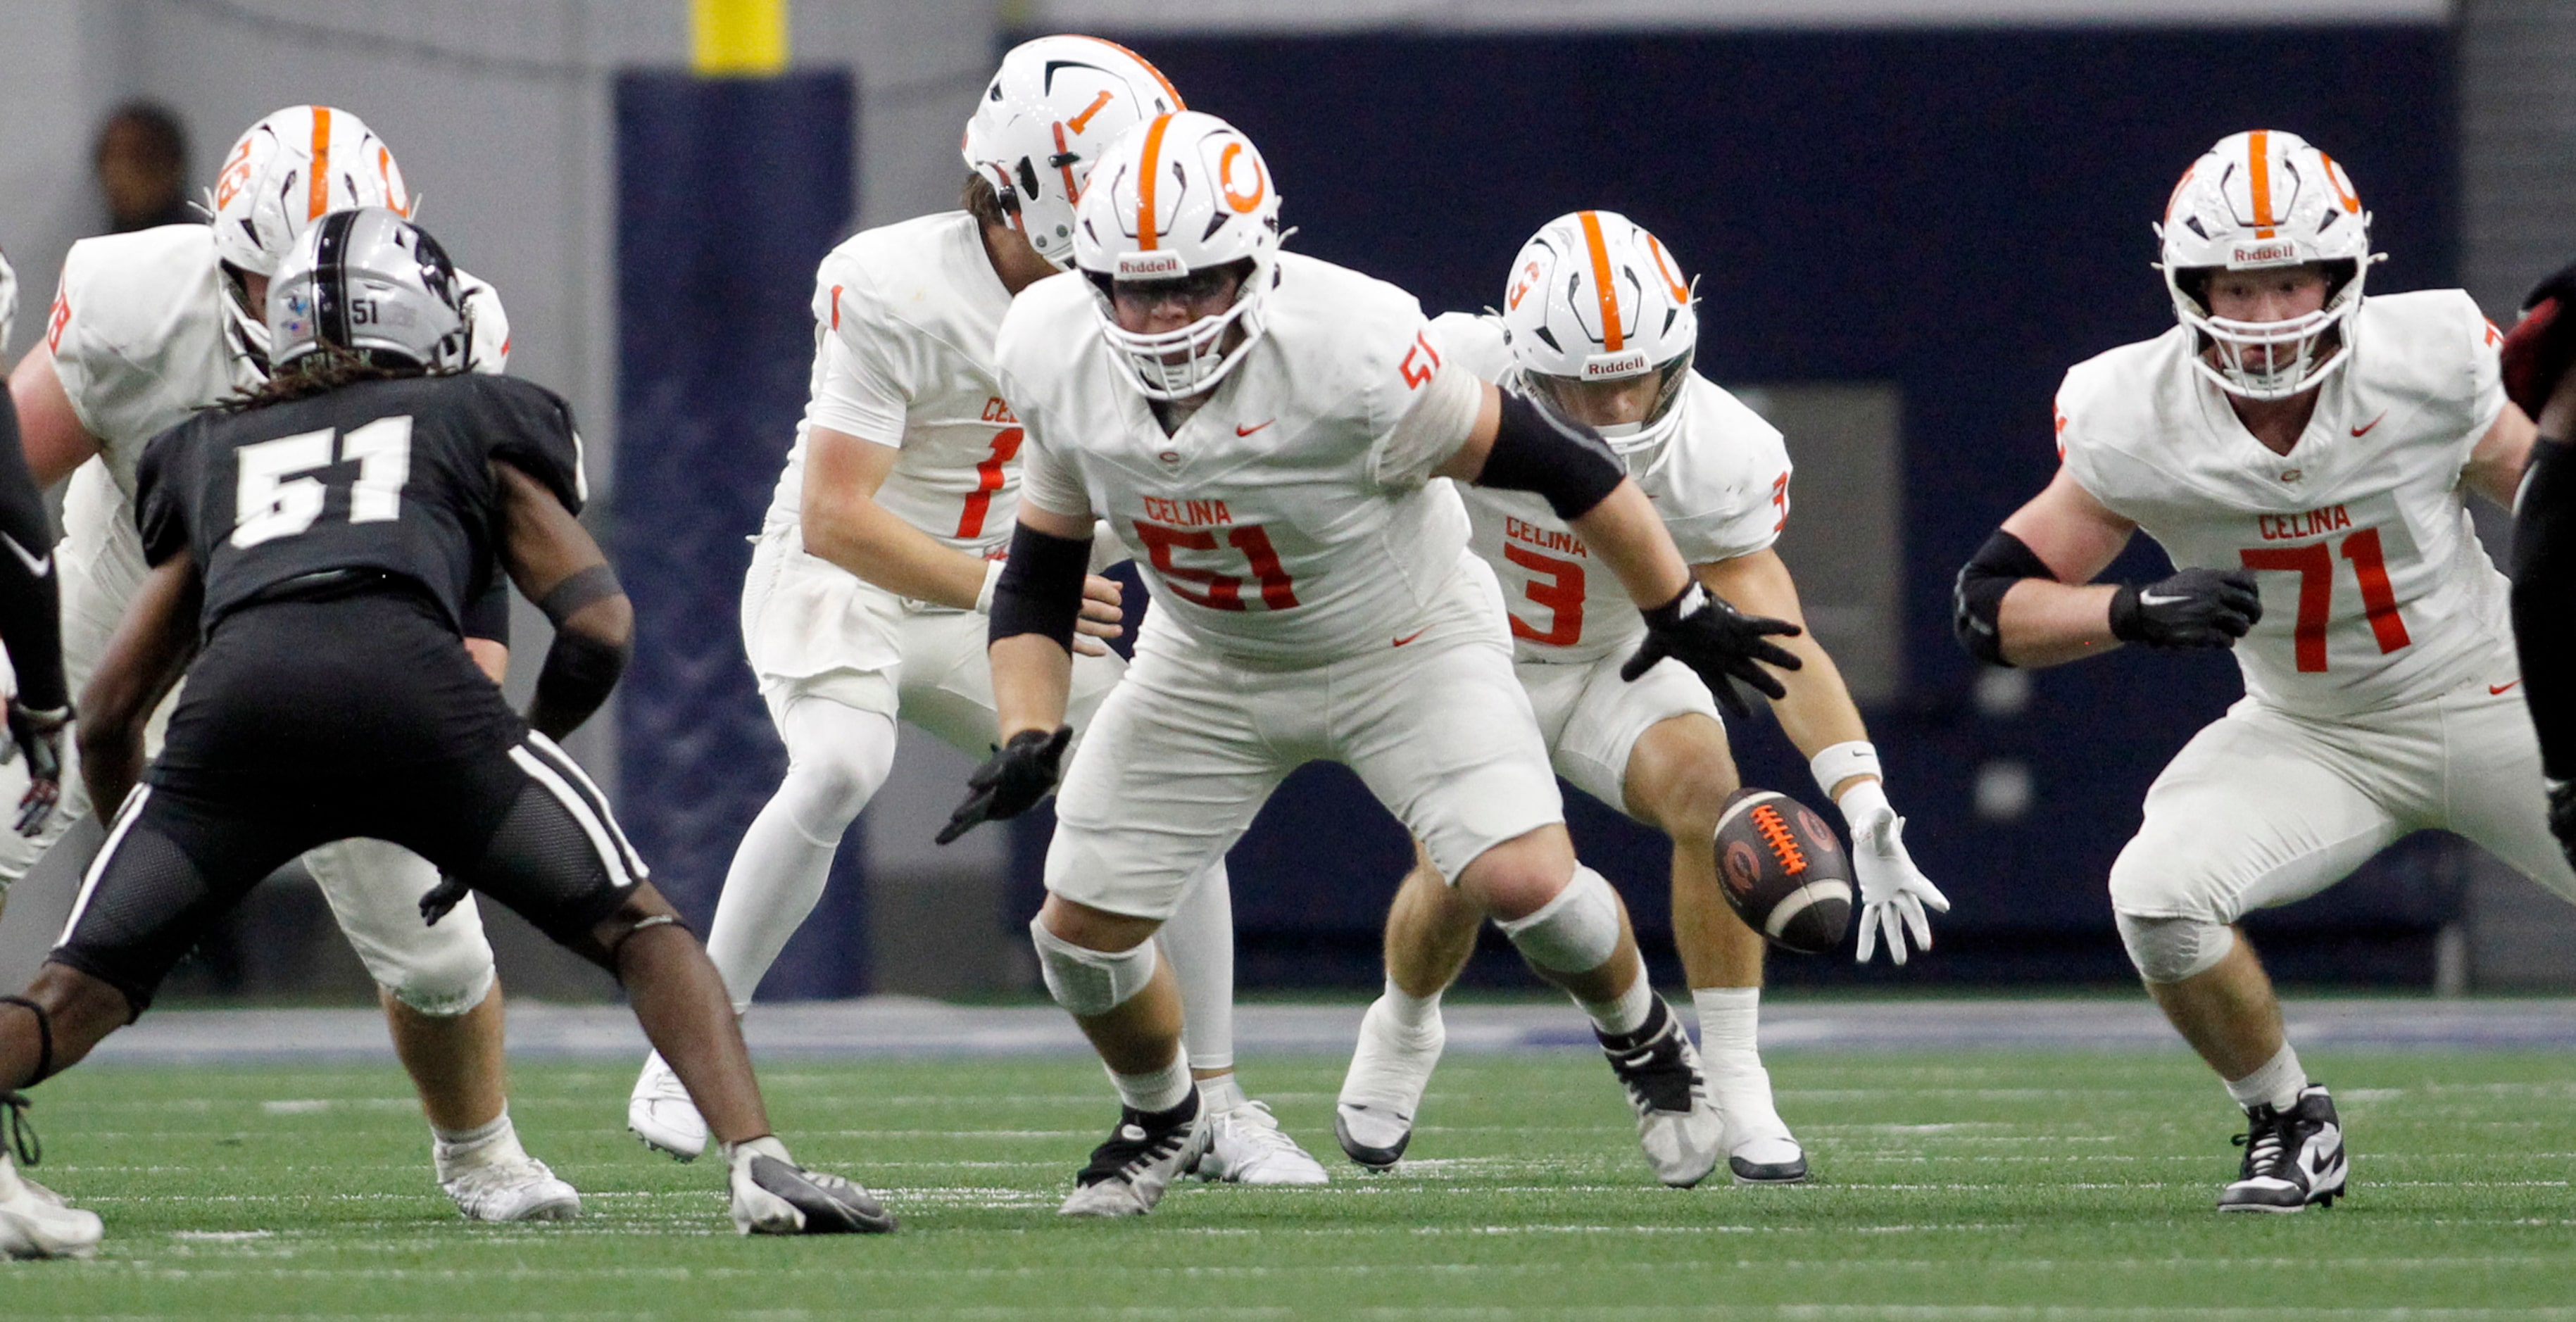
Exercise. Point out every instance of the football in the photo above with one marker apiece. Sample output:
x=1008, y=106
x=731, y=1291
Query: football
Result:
x=1784, y=871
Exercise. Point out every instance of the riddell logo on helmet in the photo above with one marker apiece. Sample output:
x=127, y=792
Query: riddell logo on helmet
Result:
x=1149, y=265
x=2264, y=252
x=1626, y=364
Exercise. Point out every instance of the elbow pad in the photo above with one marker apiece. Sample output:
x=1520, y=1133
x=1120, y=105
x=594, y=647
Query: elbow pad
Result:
x=1977, y=598
x=1040, y=590
x=1568, y=466
x=580, y=670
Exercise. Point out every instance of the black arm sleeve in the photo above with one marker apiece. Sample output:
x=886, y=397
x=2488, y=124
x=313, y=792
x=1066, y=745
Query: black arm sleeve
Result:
x=30, y=595
x=2544, y=601
x=1040, y=590
x=1569, y=466
x=580, y=670
x=1977, y=597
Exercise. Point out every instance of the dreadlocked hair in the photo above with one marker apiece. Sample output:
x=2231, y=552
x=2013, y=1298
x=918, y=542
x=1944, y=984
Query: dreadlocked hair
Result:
x=327, y=368
x=983, y=203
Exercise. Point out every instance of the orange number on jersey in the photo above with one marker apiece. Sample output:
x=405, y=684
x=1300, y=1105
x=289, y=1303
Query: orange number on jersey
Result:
x=988, y=479
x=1562, y=594
x=1780, y=500
x=1214, y=590
x=2315, y=567
x=1418, y=373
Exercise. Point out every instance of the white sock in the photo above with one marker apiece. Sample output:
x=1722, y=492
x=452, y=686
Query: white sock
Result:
x=1626, y=1014
x=1156, y=1090
x=1727, y=1029
x=11, y=1187
x=1413, y=1014
x=494, y=1138
x=2277, y=1084
x=1223, y=1092
x=837, y=758
x=1198, y=942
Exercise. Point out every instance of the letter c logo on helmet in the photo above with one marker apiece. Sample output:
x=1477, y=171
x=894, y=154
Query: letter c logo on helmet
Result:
x=1244, y=202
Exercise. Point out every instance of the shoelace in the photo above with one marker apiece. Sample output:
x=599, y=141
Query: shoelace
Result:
x=1260, y=1128
x=1653, y=1070
x=21, y=1138
x=1122, y=1154
x=2265, y=1141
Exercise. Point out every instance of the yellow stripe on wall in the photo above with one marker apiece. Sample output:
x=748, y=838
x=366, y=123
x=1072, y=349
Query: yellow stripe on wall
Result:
x=738, y=37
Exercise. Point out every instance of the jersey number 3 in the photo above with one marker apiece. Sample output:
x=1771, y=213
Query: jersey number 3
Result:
x=271, y=500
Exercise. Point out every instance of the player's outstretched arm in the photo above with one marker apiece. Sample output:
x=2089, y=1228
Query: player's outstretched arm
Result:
x=55, y=441
x=1035, y=608
x=151, y=649
x=2027, y=597
x=556, y=565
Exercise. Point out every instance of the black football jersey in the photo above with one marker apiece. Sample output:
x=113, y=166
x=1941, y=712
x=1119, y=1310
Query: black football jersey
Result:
x=384, y=475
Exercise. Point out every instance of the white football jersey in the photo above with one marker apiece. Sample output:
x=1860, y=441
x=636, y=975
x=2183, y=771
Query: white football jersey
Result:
x=2375, y=589
x=1274, y=525
x=904, y=317
x=139, y=338
x=1720, y=479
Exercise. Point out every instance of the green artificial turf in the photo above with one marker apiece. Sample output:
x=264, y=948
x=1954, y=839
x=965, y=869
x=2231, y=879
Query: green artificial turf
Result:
x=1972, y=1185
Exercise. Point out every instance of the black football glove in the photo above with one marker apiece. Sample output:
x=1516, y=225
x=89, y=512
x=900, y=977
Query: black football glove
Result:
x=2542, y=346
x=2195, y=608
x=39, y=735
x=2562, y=816
x=1716, y=641
x=1010, y=782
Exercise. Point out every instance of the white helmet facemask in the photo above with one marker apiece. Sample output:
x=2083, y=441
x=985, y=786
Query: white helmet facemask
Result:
x=1594, y=297
x=1182, y=198
x=2264, y=201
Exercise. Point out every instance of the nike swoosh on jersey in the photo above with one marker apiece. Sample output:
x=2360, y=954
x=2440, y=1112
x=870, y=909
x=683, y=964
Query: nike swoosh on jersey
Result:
x=2151, y=599
x=1413, y=635
x=2383, y=414
x=37, y=565
x=1241, y=430
x=2497, y=690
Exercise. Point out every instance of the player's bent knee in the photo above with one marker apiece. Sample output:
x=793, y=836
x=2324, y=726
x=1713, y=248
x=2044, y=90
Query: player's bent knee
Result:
x=1576, y=931
x=1090, y=982
x=639, y=909
x=2167, y=950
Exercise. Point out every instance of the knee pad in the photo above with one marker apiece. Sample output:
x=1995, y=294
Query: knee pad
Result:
x=1576, y=931
x=1091, y=982
x=2172, y=949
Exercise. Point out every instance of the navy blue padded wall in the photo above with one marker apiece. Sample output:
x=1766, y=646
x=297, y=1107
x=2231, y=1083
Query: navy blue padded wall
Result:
x=729, y=191
x=1964, y=214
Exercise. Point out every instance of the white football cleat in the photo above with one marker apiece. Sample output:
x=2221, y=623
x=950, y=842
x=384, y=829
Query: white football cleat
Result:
x=35, y=1222
x=659, y=1112
x=1245, y=1146
x=772, y=1195
x=1759, y=1148
x=1373, y=1118
x=498, y=1181
x=1140, y=1159
x=1678, y=1130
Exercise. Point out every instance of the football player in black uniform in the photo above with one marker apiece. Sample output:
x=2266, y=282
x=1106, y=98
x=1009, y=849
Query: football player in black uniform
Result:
x=313, y=551
x=2540, y=375
x=31, y=624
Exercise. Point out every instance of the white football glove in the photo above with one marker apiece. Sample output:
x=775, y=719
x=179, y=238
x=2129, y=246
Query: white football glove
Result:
x=1893, y=892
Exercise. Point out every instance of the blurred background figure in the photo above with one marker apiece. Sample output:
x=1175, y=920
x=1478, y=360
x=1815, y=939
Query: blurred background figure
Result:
x=142, y=166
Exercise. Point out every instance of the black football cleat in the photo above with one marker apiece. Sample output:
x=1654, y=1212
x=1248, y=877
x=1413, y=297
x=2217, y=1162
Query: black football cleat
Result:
x=1677, y=1129
x=2292, y=1158
x=1139, y=1160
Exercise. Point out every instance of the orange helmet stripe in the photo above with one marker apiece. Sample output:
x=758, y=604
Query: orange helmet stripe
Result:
x=1612, y=340
x=1151, y=167
x=317, y=185
x=2259, y=148
x=1148, y=65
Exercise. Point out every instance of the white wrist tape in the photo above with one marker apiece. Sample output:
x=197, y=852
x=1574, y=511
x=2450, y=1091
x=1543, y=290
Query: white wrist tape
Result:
x=1864, y=802
x=1843, y=761
x=992, y=577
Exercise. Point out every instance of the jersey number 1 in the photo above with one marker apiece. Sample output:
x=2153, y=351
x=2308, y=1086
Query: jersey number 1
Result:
x=271, y=501
x=2315, y=568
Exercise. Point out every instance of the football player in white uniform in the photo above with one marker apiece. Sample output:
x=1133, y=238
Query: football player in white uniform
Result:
x=1262, y=429
x=868, y=589
x=1597, y=325
x=149, y=327
x=2302, y=456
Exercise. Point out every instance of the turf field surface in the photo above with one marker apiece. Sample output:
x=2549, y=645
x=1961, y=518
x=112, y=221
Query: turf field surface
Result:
x=1962, y=1184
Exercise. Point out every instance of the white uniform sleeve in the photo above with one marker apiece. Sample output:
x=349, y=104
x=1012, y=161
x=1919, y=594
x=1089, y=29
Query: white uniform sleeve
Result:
x=1734, y=496
x=1443, y=413
x=863, y=384
x=2486, y=375
x=1049, y=481
x=491, y=326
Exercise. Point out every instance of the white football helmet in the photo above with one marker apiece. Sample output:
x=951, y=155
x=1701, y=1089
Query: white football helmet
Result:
x=1043, y=120
x=1594, y=297
x=289, y=170
x=1178, y=195
x=369, y=281
x=2259, y=200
